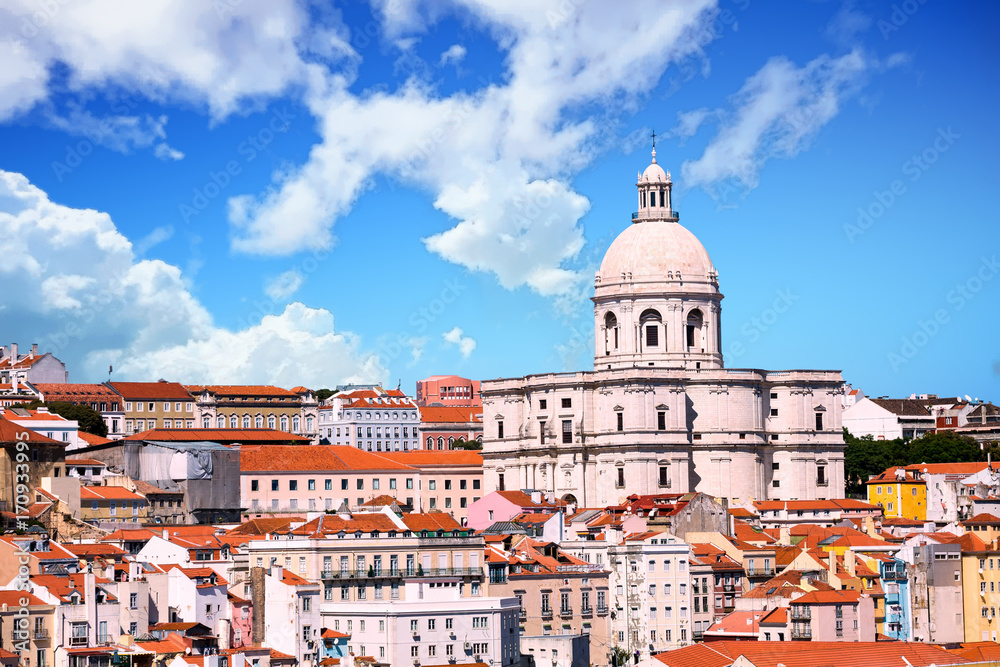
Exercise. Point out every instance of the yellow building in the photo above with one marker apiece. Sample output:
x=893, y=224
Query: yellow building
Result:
x=900, y=494
x=150, y=405
x=984, y=526
x=113, y=504
x=981, y=588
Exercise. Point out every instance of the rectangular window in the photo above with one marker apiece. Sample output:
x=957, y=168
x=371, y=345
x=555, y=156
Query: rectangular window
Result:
x=312, y=485
x=661, y=421
x=542, y=404
x=821, y=475
x=819, y=421
x=621, y=421
x=500, y=429
x=361, y=484
x=328, y=485
x=652, y=335
x=567, y=431
x=664, y=476
x=620, y=482
x=274, y=485
x=254, y=485
x=343, y=485
x=774, y=412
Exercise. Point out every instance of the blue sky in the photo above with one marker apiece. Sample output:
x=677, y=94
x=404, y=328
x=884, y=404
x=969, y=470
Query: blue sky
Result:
x=286, y=193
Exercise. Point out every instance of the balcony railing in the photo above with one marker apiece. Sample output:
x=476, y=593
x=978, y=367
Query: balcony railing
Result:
x=546, y=612
x=587, y=611
x=760, y=571
x=522, y=614
x=801, y=613
x=566, y=611
x=602, y=609
x=41, y=634
x=399, y=574
x=78, y=641
x=729, y=588
x=801, y=632
x=894, y=575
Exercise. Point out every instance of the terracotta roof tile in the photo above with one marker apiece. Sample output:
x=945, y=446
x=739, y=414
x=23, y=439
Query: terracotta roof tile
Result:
x=140, y=391
x=313, y=457
x=224, y=435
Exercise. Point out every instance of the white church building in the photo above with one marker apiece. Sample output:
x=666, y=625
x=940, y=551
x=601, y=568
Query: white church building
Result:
x=660, y=413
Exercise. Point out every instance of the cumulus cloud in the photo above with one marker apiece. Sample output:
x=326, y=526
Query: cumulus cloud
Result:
x=154, y=238
x=497, y=160
x=466, y=344
x=221, y=53
x=776, y=114
x=453, y=55
x=283, y=286
x=91, y=301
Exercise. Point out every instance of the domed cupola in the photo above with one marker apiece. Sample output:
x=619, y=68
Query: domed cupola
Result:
x=656, y=295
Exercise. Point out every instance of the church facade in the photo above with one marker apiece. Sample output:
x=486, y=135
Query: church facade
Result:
x=660, y=413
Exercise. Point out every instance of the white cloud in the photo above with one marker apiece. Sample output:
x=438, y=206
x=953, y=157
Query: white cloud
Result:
x=222, y=53
x=776, y=114
x=453, y=55
x=167, y=152
x=77, y=280
x=688, y=123
x=154, y=238
x=283, y=286
x=465, y=344
x=499, y=159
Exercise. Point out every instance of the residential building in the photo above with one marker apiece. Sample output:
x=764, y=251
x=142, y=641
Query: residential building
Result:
x=898, y=604
x=558, y=595
x=936, y=588
x=450, y=481
x=736, y=626
x=938, y=492
x=889, y=418
x=90, y=471
x=189, y=595
x=651, y=593
x=833, y=616
x=49, y=424
x=288, y=613
x=98, y=397
x=659, y=409
x=727, y=578
x=150, y=405
x=18, y=369
x=34, y=637
x=441, y=427
x=256, y=406
x=112, y=504
x=678, y=513
x=504, y=505
x=45, y=456
x=778, y=513
x=981, y=588
x=165, y=506
x=86, y=612
x=449, y=390
x=371, y=418
x=289, y=480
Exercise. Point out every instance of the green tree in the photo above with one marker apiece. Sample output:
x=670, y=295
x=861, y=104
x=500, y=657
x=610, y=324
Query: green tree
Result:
x=467, y=444
x=90, y=419
x=865, y=456
x=323, y=394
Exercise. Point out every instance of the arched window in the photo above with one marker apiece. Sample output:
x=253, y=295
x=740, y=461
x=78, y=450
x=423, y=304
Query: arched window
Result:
x=258, y=421
x=220, y=421
x=695, y=320
x=430, y=442
x=206, y=422
x=295, y=424
x=451, y=441
x=610, y=332
x=309, y=424
x=246, y=421
x=234, y=421
x=271, y=421
x=440, y=442
x=284, y=422
x=650, y=321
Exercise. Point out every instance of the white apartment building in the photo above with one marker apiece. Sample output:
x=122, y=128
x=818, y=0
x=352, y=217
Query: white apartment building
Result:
x=651, y=593
x=47, y=423
x=291, y=619
x=370, y=418
x=435, y=625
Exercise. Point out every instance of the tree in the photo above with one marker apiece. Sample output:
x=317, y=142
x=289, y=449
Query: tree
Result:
x=467, y=444
x=90, y=420
x=323, y=394
x=866, y=456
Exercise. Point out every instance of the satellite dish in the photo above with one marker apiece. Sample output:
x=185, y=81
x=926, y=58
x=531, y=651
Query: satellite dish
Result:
x=967, y=398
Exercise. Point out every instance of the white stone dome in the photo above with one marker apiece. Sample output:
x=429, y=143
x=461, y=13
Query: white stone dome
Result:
x=656, y=251
x=654, y=174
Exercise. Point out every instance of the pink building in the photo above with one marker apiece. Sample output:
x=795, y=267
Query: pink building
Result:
x=505, y=505
x=241, y=630
x=833, y=616
x=448, y=390
x=440, y=426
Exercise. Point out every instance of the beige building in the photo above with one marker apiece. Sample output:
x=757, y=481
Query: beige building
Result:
x=37, y=627
x=257, y=406
x=450, y=481
x=112, y=504
x=660, y=411
x=149, y=405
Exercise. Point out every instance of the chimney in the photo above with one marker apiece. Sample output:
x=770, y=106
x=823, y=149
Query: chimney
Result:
x=831, y=559
x=13, y=353
x=850, y=560
x=34, y=350
x=90, y=602
x=784, y=535
x=258, y=579
x=536, y=496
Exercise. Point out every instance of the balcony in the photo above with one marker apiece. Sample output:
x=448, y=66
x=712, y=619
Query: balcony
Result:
x=522, y=615
x=566, y=612
x=586, y=611
x=547, y=612
x=602, y=609
x=78, y=641
x=729, y=588
x=801, y=613
x=894, y=575
x=760, y=571
x=801, y=632
x=400, y=574
x=41, y=634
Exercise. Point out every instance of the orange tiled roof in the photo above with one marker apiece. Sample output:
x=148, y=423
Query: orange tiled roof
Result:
x=92, y=439
x=430, y=521
x=829, y=597
x=11, y=432
x=273, y=458
x=217, y=435
x=141, y=391
x=428, y=457
x=810, y=654
x=451, y=415
x=108, y=493
x=241, y=390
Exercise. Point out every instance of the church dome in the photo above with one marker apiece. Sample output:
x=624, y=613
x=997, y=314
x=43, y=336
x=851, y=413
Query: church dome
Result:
x=656, y=251
x=654, y=173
